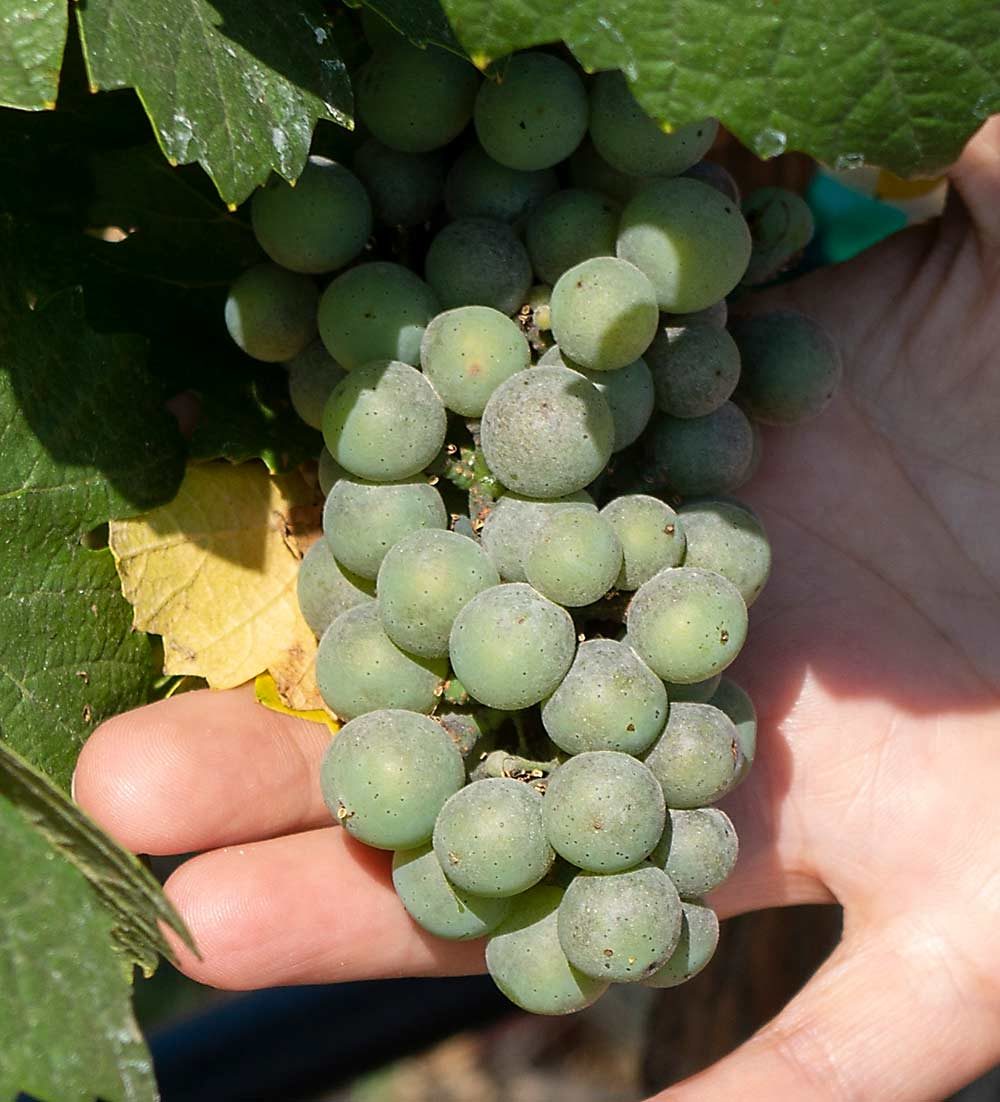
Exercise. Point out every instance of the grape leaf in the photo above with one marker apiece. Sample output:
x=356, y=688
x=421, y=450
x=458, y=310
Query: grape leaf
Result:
x=902, y=85
x=121, y=883
x=214, y=572
x=83, y=438
x=422, y=21
x=32, y=37
x=65, y=1015
x=234, y=84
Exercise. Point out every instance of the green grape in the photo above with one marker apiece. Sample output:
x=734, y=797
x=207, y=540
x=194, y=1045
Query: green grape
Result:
x=271, y=313
x=468, y=352
x=724, y=537
x=386, y=776
x=620, y=926
x=382, y=397
x=691, y=242
x=791, y=367
x=781, y=225
x=466, y=725
x=695, y=946
x=326, y=589
x=479, y=262
x=701, y=455
x=687, y=624
x=535, y=115
x=513, y=523
x=697, y=759
x=547, y=432
x=510, y=647
x=550, y=985
x=360, y=669
x=320, y=224
x=716, y=314
x=698, y=850
x=569, y=227
x=609, y=700
x=405, y=188
x=604, y=313
x=651, y=535
x=591, y=172
x=603, y=811
x=698, y=692
x=362, y=520
x=415, y=100
x=434, y=903
x=736, y=703
x=490, y=840
x=628, y=391
x=330, y=471
x=695, y=369
x=424, y=581
x=708, y=172
x=629, y=140
x=312, y=375
x=575, y=558
x=377, y=311
x=479, y=187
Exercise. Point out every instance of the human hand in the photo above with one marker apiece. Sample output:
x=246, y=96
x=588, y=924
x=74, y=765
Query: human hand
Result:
x=874, y=676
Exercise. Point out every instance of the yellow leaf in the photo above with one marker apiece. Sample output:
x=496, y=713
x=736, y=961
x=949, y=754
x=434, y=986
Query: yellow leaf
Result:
x=266, y=691
x=214, y=573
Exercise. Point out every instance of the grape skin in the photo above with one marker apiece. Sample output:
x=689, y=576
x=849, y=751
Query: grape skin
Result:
x=512, y=525
x=489, y=838
x=377, y=311
x=535, y=115
x=629, y=140
x=604, y=811
x=621, y=927
x=736, y=703
x=695, y=369
x=717, y=314
x=713, y=174
x=701, y=455
x=435, y=904
x=697, y=759
x=424, y=581
x=271, y=313
x=551, y=985
x=604, y=313
x=690, y=241
x=479, y=187
x=547, y=432
x=724, y=537
x=320, y=224
x=479, y=262
x=325, y=589
x=695, y=947
x=384, y=392
x=362, y=520
x=360, y=669
x=312, y=375
x=405, y=188
x=510, y=647
x=329, y=472
x=698, y=850
x=698, y=692
x=575, y=558
x=781, y=225
x=609, y=700
x=387, y=774
x=568, y=227
x=468, y=352
x=651, y=535
x=589, y=171
x=687, y=624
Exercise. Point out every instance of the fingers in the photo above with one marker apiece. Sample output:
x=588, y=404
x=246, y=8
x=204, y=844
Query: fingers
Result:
x=886, y=1017
x=309, y=908
x=977, y=177
x=202, y=770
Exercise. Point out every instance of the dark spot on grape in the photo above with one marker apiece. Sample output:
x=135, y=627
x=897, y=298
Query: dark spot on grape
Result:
x=724, y=636
x=609, y=952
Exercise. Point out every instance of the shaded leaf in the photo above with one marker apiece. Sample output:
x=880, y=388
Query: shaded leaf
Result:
x=32, y=37
x=422, y=21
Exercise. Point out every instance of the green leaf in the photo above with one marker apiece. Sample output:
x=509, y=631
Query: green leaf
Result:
x=234, y=84
x=422, y=21
x=65, y=1015
x=128, y=891
x=32, y=37
x=83, y=438
x=898, y=84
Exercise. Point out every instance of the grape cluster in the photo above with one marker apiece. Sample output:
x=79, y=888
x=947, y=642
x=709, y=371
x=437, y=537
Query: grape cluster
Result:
x=533, y=574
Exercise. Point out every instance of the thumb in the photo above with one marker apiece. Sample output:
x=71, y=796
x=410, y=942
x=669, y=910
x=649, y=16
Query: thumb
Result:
x=885, y=1017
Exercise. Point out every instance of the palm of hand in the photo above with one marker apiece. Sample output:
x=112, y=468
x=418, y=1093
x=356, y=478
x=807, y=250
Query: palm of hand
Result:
x=871, y=666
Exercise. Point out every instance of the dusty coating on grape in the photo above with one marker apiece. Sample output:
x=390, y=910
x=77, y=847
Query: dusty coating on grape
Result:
x=568, y=227
x=547, y=432
x=695, y=369
x=325, y=589
x=701, y=455
x=489, y=838
x=696, y=945
x=604, y=811
x=386, y=776
x=651, y=535
x=513, y=523
x=479, y=262
x=698, y=850
x=724, y=537
x=575, y=557
x=271, y=312
x=697, y=759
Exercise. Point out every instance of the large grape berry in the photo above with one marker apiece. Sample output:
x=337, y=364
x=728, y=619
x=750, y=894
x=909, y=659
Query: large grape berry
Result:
x=698, y=940
x=575, y=558
x=698, y=850
x=701, y=455
x=729, y=539
x=479, y=262
x=271, y=312
x=651, y=535
x=697, y=759
x=513, y=523
x=568, y=227
x=405, y=188
x=479, y=187
x=326, y=589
